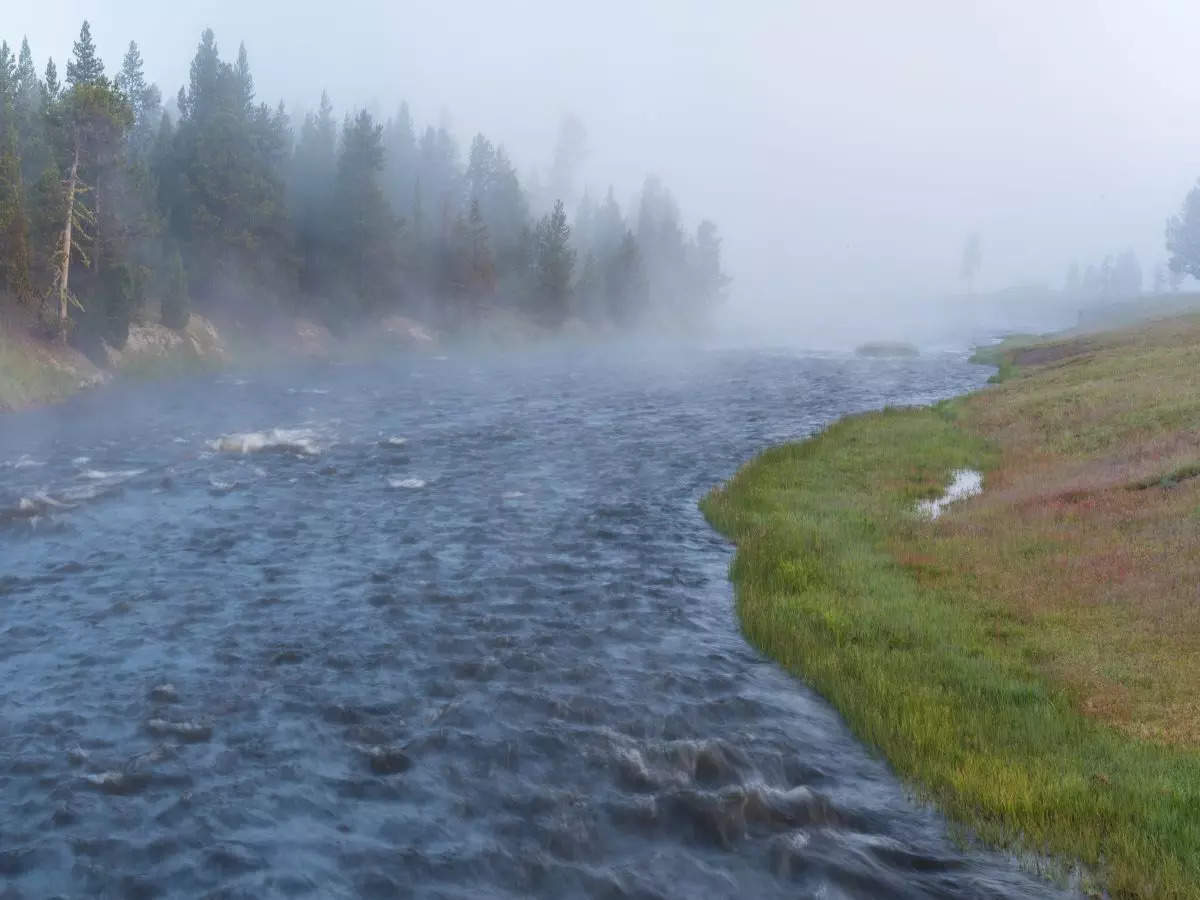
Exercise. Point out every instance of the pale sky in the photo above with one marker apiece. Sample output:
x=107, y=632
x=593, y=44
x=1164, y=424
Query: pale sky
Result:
x=845, y=149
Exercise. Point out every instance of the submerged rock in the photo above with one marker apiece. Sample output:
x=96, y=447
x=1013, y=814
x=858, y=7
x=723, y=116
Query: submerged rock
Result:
x=387, y=760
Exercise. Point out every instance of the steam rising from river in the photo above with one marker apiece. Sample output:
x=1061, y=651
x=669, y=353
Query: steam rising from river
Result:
x=288, y=648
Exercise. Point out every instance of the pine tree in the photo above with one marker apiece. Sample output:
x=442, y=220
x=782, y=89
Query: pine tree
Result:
x=14, y=222
x=28, y=88
x=102, y=193
x=505, y=209
x=31, y=106
x=708, y=279
x=85, y=66
x=14, y=226
x=94, y=117
x=245, y=81
x=589, y=291
x=1183, y=238
x=313, y=172
x=625, y=284
x=365, y=228
x=175, y=303
x=50, y=81
x=228, y=203
x=8, y=72
x=481, y=167
x=400, y=167
x=553, y=262
x=131, y=81
x=482, y=278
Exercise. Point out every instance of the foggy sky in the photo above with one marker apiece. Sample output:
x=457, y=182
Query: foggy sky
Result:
x=845, y=150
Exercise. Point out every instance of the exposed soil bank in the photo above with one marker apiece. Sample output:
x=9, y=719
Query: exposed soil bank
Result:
x=1031, y=658
x=34, y=372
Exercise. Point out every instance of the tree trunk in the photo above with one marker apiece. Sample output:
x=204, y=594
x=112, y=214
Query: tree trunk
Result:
x=65, y=272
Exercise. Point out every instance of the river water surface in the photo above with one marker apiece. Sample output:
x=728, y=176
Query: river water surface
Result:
x=435, y=628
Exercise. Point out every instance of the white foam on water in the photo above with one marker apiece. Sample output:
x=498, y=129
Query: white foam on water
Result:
x=31, y=508
x=187, y=730
x=82, y=493
x=179, y=440
x=25, y=461
x=118, y=475
x=44, y=500
x=396, y=441
x=512, y=495
x=298, y=440
x=407, y=483
x=81, y=460
x=964, y=483
x=111, y=778
x=318, y=391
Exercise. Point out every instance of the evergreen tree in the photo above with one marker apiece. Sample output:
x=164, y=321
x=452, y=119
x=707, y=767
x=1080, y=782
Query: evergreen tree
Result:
x=31, y=105
x=227, y=204
x=245, y=81
x=625, y=283
x=313, y=173
x=8, y=72
x=365, y=228
x=505, y=210
x=84, y=66
x=144, y=101
x=589, y=291
x=175, y=303
x=93, y=118
x=609, y=228
x=1183, y=237
x=50, y=81
x=102, y=194
x=27, y=88
x=481, y=167
x=554, y=261
x=708, y=279
x=14, y=225
x=400, y=166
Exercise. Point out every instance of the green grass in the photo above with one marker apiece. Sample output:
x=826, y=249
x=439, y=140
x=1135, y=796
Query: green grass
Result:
x=1000, y=355
x=27, y=379
x=894, y=620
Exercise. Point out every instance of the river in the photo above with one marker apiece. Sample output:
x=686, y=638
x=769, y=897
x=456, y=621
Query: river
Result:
x=436, y=627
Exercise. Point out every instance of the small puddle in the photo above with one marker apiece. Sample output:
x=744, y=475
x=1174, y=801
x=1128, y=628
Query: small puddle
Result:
x=964, y=483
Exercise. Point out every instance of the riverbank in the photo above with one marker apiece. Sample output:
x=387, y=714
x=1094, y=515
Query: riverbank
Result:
x=1030, y=660
x=37, y=372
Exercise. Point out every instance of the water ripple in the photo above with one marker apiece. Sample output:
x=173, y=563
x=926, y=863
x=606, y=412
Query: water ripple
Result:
x=430, y=628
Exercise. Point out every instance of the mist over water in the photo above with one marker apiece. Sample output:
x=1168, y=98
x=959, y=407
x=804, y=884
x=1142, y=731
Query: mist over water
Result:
x=845, y=152
x=433, y=627
x=453, y=626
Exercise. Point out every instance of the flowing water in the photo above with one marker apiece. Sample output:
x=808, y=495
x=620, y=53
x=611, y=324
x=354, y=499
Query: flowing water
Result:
x=435, y=628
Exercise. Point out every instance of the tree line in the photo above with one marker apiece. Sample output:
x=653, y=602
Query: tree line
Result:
x=113, y=210
x=1116, y=277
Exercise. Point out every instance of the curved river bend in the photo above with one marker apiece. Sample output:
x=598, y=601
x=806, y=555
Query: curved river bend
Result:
x=436, y=628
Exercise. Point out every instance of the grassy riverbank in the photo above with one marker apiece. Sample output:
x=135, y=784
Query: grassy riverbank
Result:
x=34, y=373
x=1031, y=659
